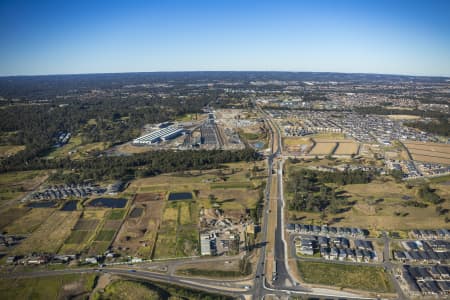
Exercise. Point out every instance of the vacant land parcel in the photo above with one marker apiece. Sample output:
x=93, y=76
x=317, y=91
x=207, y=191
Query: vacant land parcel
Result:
x=347, y=148
x=366, y=278
x=381, y=205
x=178, y=235
x=429, y=152
x=323, y=148
x=82, y=234
x=145, y=233
x=48, y=287
x=138, y=233
x=49, y=237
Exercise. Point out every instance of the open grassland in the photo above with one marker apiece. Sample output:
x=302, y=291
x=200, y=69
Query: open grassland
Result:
x=76, y=149
x=98, y=247
x=323, y=148
x=375, y=206
x=9, y=150
x=29, y=222
x=48, y=287
x=297, y=144
x=127, y=289
x=131, y=149
x=232, y=188
x=63, y=151
x=347, y=148
x=86, y=224
x=429, y=152
x=14, y=185
x=78, y=237
x=442, y=188
x=10, y=215
x=116, y=214
x=295, y=141
x=136, y=290
x=231, y=185
x=217, y=269
x=49, y=237
x=372, y=279
x=105, y=235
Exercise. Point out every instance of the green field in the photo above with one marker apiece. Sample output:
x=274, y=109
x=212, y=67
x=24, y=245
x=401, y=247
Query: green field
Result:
x=77, y=149
x=127, y=289
x=98, y=247
x=50, y=287
x=116, y=214
x=382, y=204
x=78, y=237
x=29, y=222
x=12, y=214
x=50, y=235
x=232, y=185
x=178, y=235
x=136, y=290
x=105, y=235
x=209, y=273
x=16, y=184
x=366, y=278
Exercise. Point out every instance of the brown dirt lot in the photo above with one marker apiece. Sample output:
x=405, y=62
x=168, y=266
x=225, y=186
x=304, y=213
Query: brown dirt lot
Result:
x=140, y=232
x=347, y=148
x=322, y=148
x=429, y=152
x=112, y=224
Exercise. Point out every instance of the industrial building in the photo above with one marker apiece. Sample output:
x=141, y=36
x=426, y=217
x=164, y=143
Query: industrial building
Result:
x=159, y=135
x=207, y=244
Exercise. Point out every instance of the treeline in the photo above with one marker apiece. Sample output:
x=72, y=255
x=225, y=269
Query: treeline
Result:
x=311, y=194
x=138, y=165
x=113, y=120
x=439, y=127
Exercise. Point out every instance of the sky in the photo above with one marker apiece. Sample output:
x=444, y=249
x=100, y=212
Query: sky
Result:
x=103, y=36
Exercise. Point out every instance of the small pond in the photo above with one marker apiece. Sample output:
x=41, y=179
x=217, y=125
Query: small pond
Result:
x=109, y=202
x=42, y=204
x=180, y=196
x=258, y=145
x=70, y=205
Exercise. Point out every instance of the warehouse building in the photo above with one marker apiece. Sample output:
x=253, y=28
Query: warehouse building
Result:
x=157, y=136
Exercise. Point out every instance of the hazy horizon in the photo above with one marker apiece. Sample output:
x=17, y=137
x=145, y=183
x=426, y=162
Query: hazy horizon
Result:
x=409, y=38
x=218, y=71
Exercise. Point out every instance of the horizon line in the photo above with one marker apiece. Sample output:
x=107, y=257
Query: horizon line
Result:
x=218, y=71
